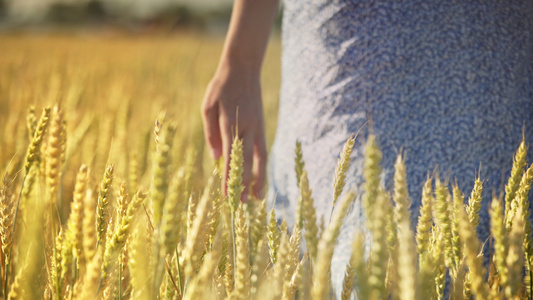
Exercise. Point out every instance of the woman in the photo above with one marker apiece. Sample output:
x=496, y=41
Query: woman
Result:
x=448, y=82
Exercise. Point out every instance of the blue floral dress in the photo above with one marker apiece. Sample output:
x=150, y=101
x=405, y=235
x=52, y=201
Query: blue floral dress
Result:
x=448, y=83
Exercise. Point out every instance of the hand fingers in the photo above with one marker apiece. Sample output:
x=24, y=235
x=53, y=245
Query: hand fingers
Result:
x=212, y=130
x=260, y=162
x=226, y=138
x=248, y=155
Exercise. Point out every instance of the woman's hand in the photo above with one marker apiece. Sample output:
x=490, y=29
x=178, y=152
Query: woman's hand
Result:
x=232, y=105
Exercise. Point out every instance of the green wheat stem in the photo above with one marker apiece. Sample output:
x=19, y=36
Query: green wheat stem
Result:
x=120, y=277
x=234, y=247
x=6, y=277
x=180, y=286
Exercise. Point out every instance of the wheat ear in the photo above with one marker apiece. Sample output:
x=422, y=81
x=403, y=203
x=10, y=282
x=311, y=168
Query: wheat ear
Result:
x=474, y=203
x=519, y=164
x=501, y=243
x=31, y=121
x=515, y=258
x=280, y=268
x=424, y=220
x=342, y=168
x=356, y=266
x=171, y=214
x=201, y=286
x=407, y=262
x=89, y=228
x=7, y=219
x=235, y=187
x=309, y=216
x=522, y=202
x=299, y=164
x=401, y=193
x=242, y=274
x=122, y=201
x=7, y=216
x=33, y=153
x=471, y=250
x=103, y=202
x=53, y=158
x=196, y=238
x=372, y=175
x=380, y=254
x=75, y=221
x=118, y=238
x=72, y=242
x=273, y=236
x=89, y=288
x=160, y=172
x=291, y=263
x=258, y=226
x=458, y=204
x=441, y=215
x=261, y=260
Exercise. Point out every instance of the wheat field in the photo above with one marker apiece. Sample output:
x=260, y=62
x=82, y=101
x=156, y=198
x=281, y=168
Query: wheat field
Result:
x=107, y=193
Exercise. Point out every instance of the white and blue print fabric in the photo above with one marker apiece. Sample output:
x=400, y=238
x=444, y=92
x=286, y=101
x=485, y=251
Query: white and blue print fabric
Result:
x=447, y=83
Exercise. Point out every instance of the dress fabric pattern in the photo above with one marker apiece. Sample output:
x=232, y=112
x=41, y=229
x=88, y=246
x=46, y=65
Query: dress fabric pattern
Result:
x=447, y=83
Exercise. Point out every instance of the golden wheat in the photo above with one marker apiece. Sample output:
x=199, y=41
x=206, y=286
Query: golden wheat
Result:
x=182, y=243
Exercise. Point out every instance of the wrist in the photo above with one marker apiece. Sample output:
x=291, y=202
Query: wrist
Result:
x=233, y=65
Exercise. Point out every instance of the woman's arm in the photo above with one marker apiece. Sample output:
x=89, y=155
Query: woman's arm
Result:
x=236, y=87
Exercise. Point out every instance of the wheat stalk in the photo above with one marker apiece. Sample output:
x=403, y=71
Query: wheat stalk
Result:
x=103, y=201
x=379, y=254
x=53, y=158
x=234, y=186
x=258, y=228
x=33, y=154
x=458, y=204
x=401, y=193
x=474, y=203
x=89, y=221
x=341, y=169
x=31, y=121
x=273, y=236
x=441, y=215
x=356, y=266
x=471, y=250
x=7, y=221
x=326, y=244
x=161, y=167
x=118, y=238
x=299, y=164
x=424, y=220
x=171, y=211
x=501, y=243
x=198, y=235
x=519, y=164
x=309, y=216
x=242, y=262
x=515, y=258
x=407, y=262
x=372, y=175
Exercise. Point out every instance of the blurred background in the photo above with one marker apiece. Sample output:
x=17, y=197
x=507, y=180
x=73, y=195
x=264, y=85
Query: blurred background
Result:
x=114, y=67
x=139, y=15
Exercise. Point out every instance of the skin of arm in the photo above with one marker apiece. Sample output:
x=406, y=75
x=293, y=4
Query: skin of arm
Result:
x=233, y=97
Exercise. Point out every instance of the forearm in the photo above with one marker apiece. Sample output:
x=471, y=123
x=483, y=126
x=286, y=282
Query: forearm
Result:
x=247, y=37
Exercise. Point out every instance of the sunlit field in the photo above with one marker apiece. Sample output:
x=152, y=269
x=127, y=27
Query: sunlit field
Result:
x=107, y=192
x=112, y=87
